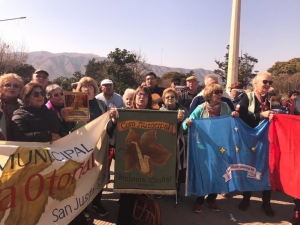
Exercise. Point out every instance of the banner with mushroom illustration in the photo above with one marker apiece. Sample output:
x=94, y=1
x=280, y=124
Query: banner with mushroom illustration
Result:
x=146, y=152
x=43, y=183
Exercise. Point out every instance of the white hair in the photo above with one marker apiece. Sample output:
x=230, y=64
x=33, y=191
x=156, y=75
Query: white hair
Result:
x=211, y=76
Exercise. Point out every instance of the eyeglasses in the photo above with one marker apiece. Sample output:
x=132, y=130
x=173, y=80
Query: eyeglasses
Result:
x=87, y=87
x=141, y=95
x=8, y=85
x=38, y=94
x=176, y=84
x=58, y=94
x=42, y=77
x=267, y=81
x=218, y=92
x=170, y=97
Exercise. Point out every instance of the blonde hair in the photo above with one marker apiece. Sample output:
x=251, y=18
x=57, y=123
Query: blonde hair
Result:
x=209, y=89
x=211, y=76
x=6, y=76
x=128, y=91
x=89, y=81
x=169, y=90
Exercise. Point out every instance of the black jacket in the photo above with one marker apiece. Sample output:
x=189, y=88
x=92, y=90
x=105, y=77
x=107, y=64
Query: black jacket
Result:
x=198, y=100
x=32, y=124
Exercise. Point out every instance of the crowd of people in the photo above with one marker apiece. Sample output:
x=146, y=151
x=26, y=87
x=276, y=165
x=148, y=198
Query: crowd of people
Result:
x=35, y=113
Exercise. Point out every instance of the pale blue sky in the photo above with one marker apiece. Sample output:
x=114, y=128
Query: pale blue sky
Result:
x=177, y=33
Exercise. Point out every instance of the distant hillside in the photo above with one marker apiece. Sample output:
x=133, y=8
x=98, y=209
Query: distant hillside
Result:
x=65, y=64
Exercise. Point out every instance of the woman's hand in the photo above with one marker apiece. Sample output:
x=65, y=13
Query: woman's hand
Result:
x=180, y=116
x=64, y=113
x=189, y=122
x=113, y=114
x=55, y=137
x=267, y=114
x=235, y=114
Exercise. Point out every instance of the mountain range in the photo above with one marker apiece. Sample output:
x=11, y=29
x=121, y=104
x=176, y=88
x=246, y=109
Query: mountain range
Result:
x=65, y=64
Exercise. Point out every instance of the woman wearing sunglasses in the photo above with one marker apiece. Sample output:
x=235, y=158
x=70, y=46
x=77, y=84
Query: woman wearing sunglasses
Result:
x=34, y=122
x=212, y=107
x=254, y=107
x=10, y=87
x=55, y=96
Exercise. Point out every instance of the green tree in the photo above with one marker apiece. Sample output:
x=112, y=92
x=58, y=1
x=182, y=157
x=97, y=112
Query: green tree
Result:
x=96, y=70
x=64, y=82
x=139, y=67
x=290, y=67
x=172, y=74
x=245, y=71
x=78, y=75
x=25, y=71
x=191, y=73
x=118, y=70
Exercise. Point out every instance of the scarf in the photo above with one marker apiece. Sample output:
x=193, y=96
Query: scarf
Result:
x=213, y=111
x=263, y=100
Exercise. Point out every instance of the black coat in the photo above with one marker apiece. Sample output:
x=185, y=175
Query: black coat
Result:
x=32, y=124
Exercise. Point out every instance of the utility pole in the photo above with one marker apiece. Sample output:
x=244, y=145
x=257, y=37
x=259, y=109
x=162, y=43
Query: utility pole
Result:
x=233, y=64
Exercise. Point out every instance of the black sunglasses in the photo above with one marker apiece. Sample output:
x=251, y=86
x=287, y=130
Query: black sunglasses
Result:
x=267, y=81
x=218, y=92
x=38, y=94
x=57, y=94
x=8, y=85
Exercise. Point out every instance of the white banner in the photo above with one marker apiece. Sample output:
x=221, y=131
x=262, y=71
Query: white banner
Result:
x=43, y=183
x=251, y=171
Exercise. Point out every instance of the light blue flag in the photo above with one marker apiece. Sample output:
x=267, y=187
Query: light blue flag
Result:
x=225, y=155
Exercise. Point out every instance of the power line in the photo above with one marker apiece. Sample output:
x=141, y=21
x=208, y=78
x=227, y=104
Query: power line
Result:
x=19, y=18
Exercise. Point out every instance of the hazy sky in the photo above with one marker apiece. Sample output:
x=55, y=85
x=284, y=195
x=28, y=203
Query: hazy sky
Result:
x=177, y=33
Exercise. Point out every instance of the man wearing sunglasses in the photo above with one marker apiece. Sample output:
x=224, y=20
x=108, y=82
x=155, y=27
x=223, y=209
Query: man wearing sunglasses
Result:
x=255, y=107
x=42, y=77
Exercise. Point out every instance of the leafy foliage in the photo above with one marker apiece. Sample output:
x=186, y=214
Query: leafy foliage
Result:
x=25, y=71
x=285, y=83
x=245, y=71
x=118, y=69
x=64, y=82
x=11, y=56
x=290, y=67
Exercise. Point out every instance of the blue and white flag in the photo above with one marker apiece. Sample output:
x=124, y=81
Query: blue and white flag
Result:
x=225, y=155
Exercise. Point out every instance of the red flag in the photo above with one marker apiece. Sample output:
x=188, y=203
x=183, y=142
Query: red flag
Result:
x=284, y=137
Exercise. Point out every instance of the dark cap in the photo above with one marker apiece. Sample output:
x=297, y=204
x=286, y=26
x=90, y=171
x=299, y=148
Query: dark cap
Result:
x=175, y=79
x=236, y=85
x=150, y=73
x=41, y=71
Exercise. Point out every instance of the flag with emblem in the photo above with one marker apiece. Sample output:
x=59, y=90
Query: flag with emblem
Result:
x=225, y=155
